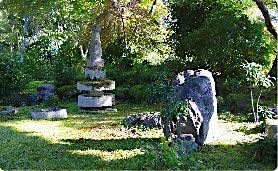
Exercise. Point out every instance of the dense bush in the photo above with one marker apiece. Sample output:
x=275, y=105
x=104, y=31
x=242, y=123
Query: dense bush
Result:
x=12, y=76
x=219, y=36
x=265, y=150
x=141, y=83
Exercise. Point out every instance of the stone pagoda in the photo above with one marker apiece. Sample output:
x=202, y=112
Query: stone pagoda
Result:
x=96, y=88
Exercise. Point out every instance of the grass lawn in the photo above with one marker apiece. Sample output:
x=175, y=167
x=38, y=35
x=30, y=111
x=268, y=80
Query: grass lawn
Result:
x=98, y=141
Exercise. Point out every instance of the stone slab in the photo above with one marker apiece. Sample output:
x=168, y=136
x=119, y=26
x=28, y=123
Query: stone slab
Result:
x=98, y=110
x=106, y=100
x=49, y=113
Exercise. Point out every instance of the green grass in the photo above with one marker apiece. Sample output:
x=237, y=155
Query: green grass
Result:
x=98, y=141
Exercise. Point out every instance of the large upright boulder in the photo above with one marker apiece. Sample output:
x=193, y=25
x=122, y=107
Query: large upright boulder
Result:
x=199, y=87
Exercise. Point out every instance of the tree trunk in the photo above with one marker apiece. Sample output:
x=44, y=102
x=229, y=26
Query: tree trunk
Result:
x=26, y=20
x=121, y=14
x=83, y=53
x=253, y=108
x=267, y=19
x=257, y=106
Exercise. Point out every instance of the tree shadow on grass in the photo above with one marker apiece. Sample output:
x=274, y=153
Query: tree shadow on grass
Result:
x=26, y=151
x=111, y=145
x=259, y=155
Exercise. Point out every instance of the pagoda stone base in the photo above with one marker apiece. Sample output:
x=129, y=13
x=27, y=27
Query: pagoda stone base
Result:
x=98, y=110
x=87, y=101
x=96, y=85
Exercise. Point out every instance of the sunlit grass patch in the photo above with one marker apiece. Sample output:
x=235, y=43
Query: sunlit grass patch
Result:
x=110, y=155
x=229, y=133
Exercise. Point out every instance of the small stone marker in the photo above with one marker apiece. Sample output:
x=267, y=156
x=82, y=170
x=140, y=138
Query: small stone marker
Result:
x=9, y=111
x=49, y=113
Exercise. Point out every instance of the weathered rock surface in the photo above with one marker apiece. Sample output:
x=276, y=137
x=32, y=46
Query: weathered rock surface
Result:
x=94, y=75
x=9, y=111
x=34, y=98
x=146, y=119
x=272, y=128
x=95, y=49
x=185, y=143
x=198, y=87
x=46, y=91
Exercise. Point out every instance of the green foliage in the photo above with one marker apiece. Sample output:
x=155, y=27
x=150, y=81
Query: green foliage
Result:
x=230, y=85
x=256, y=78
x=31, y=87
x=138, y=92
x=266, y=150
x=148, y=83
x=265, y=113
x=255, y=75
x=175, y=108
x=52, y=102
x=219, y=36
x=12, y=76
x=237, y=103
x=67, y=90
x=66, y=72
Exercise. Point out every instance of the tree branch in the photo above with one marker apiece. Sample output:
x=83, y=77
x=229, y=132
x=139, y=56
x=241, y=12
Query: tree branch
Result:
x=267, y=19
x=152, y=10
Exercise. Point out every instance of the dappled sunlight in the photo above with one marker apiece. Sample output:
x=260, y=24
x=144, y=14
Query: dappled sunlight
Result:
x=229, y=134
x=49, y=130
x=54, y=131
x=110, y=155
x=109, y=133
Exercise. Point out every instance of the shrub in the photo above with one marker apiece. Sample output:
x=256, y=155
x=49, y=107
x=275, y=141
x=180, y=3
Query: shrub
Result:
x=52, y=102
x=138, y=93
x=266, y=150
x=31, y=87
x=122, y=93
x=12, y=76
x=67, y=91
x=237, y=103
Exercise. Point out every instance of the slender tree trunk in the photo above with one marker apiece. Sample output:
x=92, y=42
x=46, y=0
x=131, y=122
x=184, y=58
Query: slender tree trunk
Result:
x=267, y=19
x=83, y=53
x=121, y=14
x=12, y=43
x=253, y=108
x=257, y=106
x=26, y=19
